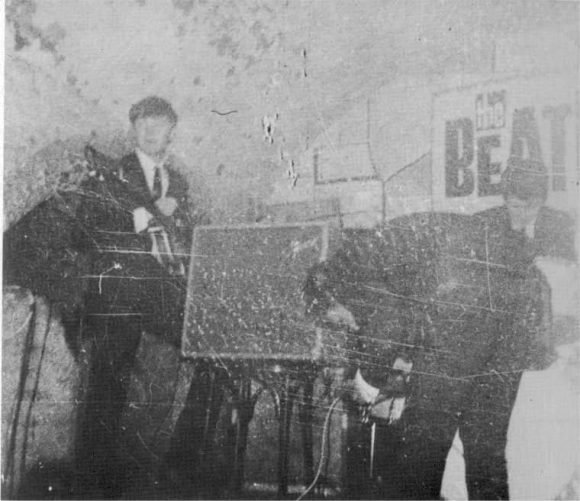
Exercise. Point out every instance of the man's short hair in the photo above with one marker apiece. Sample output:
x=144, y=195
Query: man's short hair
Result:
x=525, y=179
x=152, y=106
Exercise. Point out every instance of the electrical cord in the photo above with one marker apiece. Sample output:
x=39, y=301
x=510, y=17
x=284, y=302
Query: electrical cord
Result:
x=35, y=388
x=325, y=431
x=9, y=472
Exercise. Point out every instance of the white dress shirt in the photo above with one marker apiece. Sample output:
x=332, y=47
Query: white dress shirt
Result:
x=148, y=165
x=531, y=230
x=141, y=216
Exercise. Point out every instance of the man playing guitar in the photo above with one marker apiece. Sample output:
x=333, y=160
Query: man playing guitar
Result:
x=137, y=229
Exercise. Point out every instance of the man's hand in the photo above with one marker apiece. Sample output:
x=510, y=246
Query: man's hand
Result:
x=166, y=205
x=386, y=403
x=141, y=219
x=338, y=314
x=361, y=391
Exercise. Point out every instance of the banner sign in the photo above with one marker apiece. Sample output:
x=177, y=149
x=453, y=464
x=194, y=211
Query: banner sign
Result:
x=476, y=129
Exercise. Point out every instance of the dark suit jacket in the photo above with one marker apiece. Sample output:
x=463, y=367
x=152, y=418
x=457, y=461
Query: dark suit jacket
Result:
x=554, y=234
x=419, y=282
x=131, y=173
x=126, y=278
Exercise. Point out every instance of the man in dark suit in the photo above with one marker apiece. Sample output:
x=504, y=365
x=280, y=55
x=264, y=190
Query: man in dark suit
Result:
x=524, y=228
x=480, y=313
x=489, y=346
x=137, y=229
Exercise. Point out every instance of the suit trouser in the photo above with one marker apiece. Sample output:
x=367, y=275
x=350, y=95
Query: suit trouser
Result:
x=114, y=340
x=481, y=411
x=114, y=334
x=467, y=381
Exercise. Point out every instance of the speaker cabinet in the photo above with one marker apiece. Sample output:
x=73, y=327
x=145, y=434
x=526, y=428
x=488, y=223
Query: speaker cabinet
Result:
x=244, y=296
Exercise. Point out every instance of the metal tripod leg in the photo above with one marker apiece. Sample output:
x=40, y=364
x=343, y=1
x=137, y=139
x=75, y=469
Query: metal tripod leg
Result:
x=244, y=412
x=286, y=404
x=306, y=418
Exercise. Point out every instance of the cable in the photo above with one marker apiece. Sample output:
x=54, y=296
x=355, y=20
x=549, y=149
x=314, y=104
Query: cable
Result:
x=36, y=385
x=325, y=431
x=10, y=467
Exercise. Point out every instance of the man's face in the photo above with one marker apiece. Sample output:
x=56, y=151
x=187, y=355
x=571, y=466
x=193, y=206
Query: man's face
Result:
x=153, y=135
x=522, y=212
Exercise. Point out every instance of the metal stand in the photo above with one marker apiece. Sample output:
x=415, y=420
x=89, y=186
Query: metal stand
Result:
x=286, y=381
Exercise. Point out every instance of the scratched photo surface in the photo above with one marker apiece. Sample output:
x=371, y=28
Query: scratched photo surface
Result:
x=291, y=249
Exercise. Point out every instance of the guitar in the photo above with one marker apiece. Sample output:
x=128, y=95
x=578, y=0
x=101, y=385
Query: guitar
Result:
x=166, y=246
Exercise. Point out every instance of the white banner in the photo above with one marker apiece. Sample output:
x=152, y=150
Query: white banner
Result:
x=476, y=129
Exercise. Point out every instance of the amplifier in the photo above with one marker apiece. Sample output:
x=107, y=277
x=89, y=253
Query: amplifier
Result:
x=244, y=293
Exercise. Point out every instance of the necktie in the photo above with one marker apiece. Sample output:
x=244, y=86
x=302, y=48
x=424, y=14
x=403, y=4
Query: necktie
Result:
x=157, y=190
